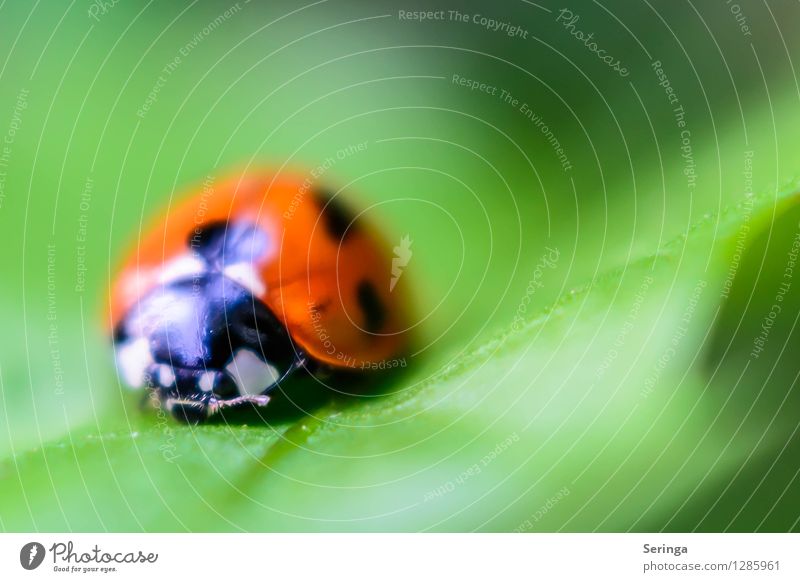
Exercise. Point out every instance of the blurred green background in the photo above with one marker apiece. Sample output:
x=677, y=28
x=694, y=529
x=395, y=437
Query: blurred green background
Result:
x=611, y=388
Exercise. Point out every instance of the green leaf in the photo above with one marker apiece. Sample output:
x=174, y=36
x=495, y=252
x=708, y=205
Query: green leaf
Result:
x=610, y=411
x=615, y=390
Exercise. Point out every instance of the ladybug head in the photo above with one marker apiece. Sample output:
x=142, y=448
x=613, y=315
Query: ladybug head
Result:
x=204, y=342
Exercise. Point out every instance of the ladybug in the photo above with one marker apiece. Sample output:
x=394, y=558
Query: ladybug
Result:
x=245, y=283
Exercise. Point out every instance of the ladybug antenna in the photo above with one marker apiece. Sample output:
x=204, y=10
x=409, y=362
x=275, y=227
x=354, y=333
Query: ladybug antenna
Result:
x=297, y=363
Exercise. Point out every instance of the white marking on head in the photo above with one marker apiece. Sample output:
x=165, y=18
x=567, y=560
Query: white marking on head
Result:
x=206, y=381
x=251, y=374
x=181, y=267
x=247, y=277
x=133, y=359
x=166, y=377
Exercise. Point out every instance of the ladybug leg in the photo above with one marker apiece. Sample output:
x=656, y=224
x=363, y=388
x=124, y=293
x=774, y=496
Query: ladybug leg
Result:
x=199, y=409
x=214, y=406
x=187, y=410
x=299, y=362
x=196, y=411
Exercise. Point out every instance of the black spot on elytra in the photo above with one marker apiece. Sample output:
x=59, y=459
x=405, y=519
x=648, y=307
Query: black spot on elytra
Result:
x=337, y=218
x=372, y=306
x=209, y=236
x=222, y=243
x=120, y=334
